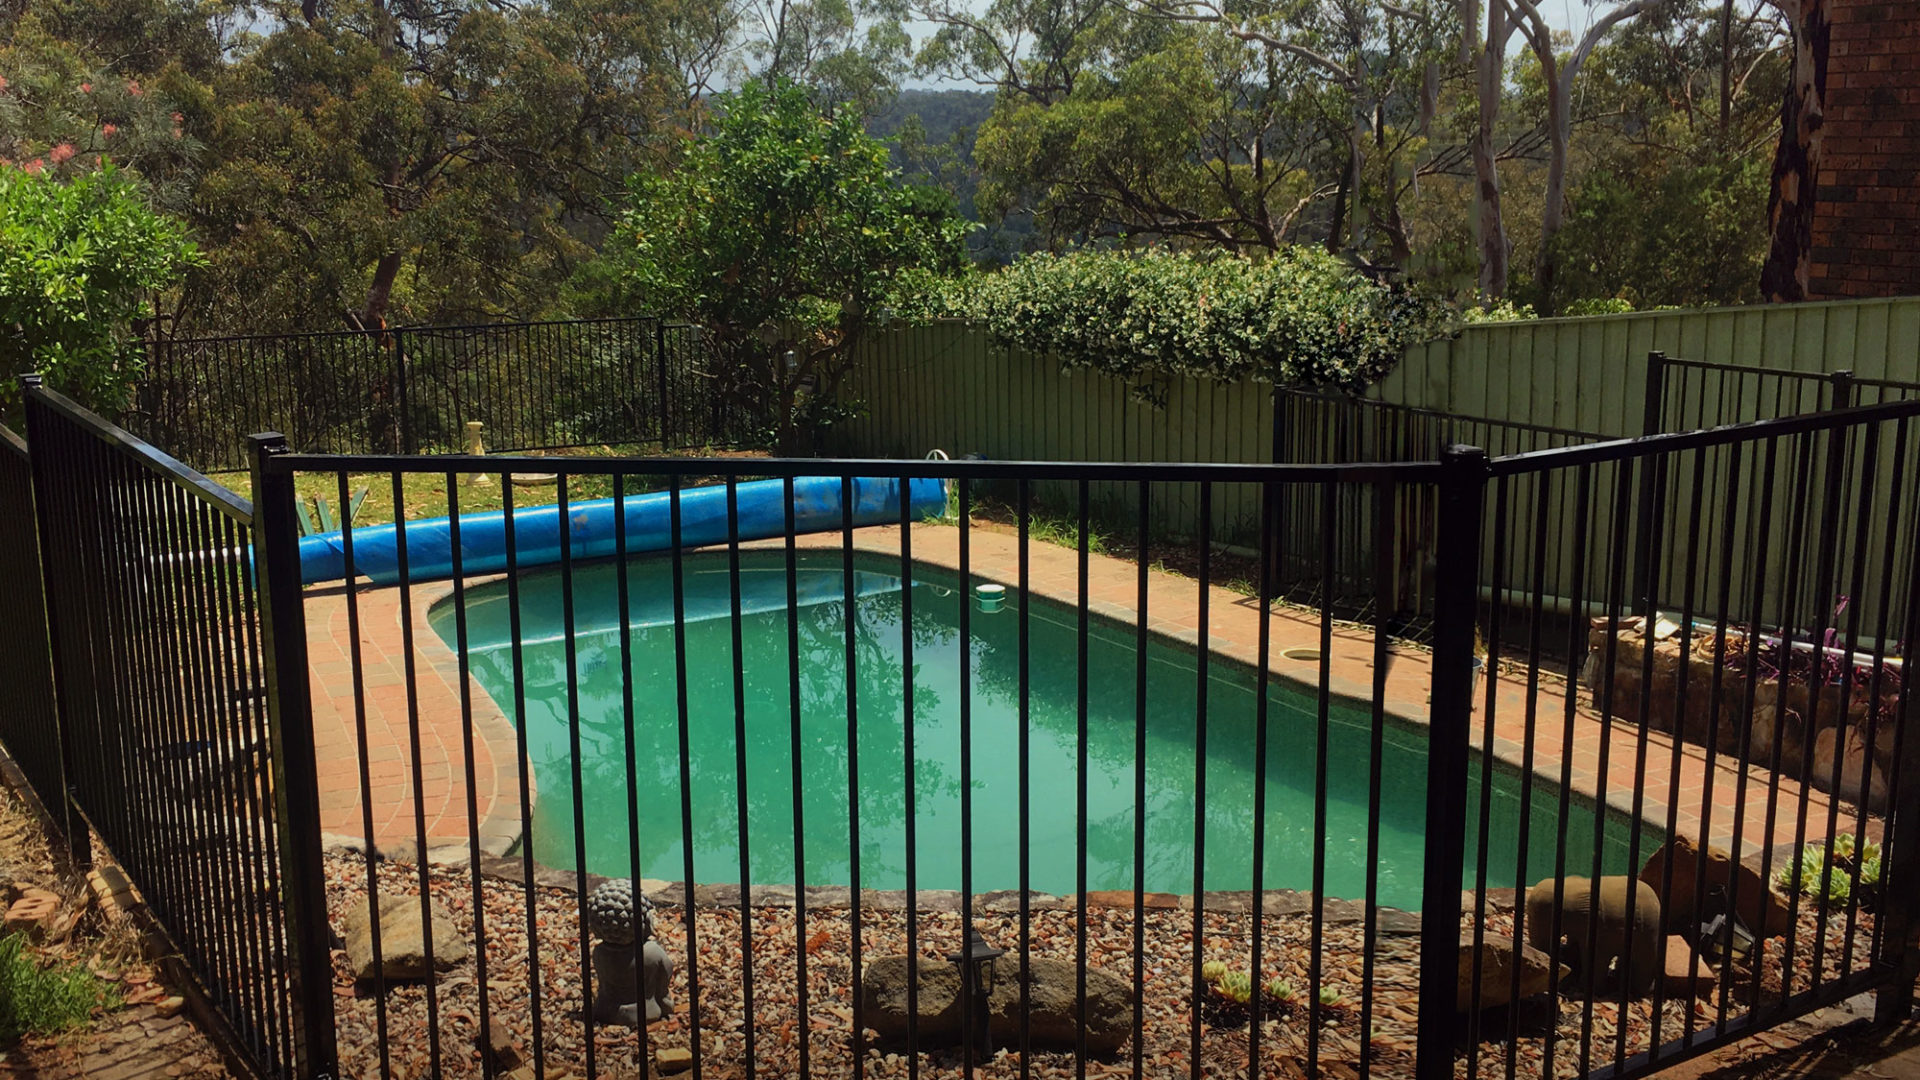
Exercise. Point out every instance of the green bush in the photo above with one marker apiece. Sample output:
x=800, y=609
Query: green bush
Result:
x=37, y=1000
x=1300, y=317
x=77, y=259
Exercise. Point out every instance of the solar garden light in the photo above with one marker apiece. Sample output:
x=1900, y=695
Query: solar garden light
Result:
x=1724, y=937
x=976, y=977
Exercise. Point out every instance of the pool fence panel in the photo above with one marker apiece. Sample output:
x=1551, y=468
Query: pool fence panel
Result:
x=166, y=739
x=538, y=385
x=1119, y=776
x=32, y=725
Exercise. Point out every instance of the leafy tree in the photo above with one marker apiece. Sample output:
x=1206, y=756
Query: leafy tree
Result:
x=781, y=233
x=427, y=163
x=78, y=257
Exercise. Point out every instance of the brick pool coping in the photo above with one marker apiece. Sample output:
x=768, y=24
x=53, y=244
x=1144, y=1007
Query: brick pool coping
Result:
x=1173, y=612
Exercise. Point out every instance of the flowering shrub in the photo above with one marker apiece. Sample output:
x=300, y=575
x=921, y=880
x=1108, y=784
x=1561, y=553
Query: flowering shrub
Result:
x=1299, y=317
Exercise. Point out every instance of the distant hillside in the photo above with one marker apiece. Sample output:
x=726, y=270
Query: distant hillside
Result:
x=941, y=112
x=941, y=155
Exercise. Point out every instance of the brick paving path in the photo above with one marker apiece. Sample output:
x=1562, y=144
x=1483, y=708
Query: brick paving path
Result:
x=135, y=1043
x=1173, y=610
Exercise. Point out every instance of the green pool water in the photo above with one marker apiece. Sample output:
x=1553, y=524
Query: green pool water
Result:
x=821, y=771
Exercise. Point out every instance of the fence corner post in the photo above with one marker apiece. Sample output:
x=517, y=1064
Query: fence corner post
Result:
x=1900, y=950
x=283, y=638
x=1463, y=480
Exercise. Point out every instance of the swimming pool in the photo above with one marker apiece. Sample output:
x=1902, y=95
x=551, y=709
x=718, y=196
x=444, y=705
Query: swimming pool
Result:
x=821, y=771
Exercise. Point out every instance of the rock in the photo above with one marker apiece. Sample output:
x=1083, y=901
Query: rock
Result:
x=1054, y=1015
x=1853, y=765
x=1680, y=908
x=673, y=1059
x=403, y=950
x=1686, y=976
x=1497, y=957
x=169, y=1006
x=884, y=998
x=1123, y=899
x=502, y=1050
x=35, y=911
x=1053, y=995
x=1593, y=915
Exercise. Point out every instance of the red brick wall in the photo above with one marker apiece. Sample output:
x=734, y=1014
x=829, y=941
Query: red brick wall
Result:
x=1866, y=228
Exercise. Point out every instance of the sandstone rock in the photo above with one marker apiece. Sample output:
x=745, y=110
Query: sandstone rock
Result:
x=1680, y=908
x=502, y=1050
x=673, y=1059
x=169, y=1006
x=1053, y=1017
x=1853, y=765
x=1685, y=975
x=403, y=950
x=1615, y=920
x=1496, y=958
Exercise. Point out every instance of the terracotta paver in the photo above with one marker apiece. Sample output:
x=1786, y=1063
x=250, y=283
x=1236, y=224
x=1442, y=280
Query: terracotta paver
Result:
x=434, y=812
x=1708, y=796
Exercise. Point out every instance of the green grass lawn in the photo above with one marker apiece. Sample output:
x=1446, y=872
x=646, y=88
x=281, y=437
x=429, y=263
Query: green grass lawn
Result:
x=425, y=495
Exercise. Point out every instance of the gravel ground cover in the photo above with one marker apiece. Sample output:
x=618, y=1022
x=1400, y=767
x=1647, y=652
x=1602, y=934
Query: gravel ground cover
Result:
x=457, y=1039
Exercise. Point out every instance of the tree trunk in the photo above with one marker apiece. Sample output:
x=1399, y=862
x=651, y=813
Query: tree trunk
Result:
x=380, y=293
x=1489, y=226
x=1554, y=213
x=1796, y=163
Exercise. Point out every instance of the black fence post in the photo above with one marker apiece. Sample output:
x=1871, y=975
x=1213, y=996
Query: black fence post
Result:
x=296, y=782
x=1462, y=493
x=1843, y=390
x=74, y=826
x=1652, y=419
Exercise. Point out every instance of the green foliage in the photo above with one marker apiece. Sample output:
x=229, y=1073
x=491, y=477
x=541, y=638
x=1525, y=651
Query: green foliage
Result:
x=783, y=230
x=1213, y=970
x=1235, y=986
x=1829, y=874
x=1332, y=998
x=77, y=258
x=1280, y=991
x=1299, y=317
x=37, y=1000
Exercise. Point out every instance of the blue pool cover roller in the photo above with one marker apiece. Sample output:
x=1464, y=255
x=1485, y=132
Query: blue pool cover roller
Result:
x=537, y=529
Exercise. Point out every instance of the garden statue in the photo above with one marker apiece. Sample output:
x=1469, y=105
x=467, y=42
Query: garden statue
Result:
x=619, y=918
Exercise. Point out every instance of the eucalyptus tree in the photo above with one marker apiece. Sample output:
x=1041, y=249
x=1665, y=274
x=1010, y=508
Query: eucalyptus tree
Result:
x=1796, y=162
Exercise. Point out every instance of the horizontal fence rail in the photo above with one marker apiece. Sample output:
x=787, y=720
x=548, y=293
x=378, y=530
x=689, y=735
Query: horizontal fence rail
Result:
x=414, y=389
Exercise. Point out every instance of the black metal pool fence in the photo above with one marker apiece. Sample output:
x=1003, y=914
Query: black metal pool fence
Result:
x=563, y=383
x=181, y=673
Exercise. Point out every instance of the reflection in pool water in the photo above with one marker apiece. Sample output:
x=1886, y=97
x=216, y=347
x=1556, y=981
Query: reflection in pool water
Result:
x=879, y=648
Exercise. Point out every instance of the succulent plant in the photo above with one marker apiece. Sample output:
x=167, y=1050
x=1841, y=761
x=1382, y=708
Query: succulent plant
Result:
x=1280, y=991
x=1237, y=987
x=1331, y=998
x=1213, y=970
x=1843, y=847
x=1870, y=869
